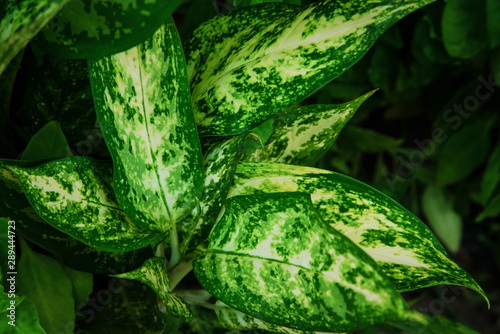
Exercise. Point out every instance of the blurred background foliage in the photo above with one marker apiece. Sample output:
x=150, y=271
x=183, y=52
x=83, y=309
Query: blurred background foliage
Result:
x=429, y=138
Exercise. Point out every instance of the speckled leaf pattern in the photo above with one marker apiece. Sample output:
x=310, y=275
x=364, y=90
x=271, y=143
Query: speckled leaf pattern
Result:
x=301, y=135
x=231, y=318
x=405, y=249
x=20, y=21
x=143, y=106
x=252, y=63
x=272, y=257
x=154, y=275
x=220, y=161
x=75, y=196
x=96, y=28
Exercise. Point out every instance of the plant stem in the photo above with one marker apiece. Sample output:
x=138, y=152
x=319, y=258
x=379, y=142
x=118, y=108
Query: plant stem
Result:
x=177, y=273
x=174, y=244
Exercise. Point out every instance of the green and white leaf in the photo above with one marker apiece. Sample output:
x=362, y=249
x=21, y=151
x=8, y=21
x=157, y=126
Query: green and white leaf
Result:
x=144, y=109
x=20, y=21
x=75, y=195
x=220, y=161
x=96, y=28
x=248, y=65
x=406, y=250
x=302, y=135
x=272, y=257
x=231, y=318
x=153, y=274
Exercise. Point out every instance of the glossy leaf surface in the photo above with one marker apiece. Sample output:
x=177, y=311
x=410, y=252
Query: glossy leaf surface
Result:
x=405, y=249
x=248, y=65
x=272, y=257
x=143, y=106
x=75, y=196
x=93, y=28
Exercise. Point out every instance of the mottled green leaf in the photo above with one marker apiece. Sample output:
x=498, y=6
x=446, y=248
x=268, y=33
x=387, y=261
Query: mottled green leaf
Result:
x=153, y=273
x=20, y=21
x=464, y=28
x=272, y=257
x=233, y=319
x=131, y=308
x=59, y=90
x=248, y=65
x=491, y=176
x=463, y=152
x=246, y=3
x=302, y=135
x=66, y=249
x=48, y=143
x=45, y=282
x=95, y=28
x=75, y=195
x=405, y=249
x=220, y=163
x=143, y=107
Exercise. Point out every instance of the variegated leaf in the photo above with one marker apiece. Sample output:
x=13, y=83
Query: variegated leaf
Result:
x=231, y=318
x=272, y=257
x=143, y=106
x=252, y=63
x=20, y=21
x=153, y=274
x=96, y=28
x=220, y=161
x=75, y=196
x=65, y=248
x=399, y=242
x=245, y=3
x=302, y=135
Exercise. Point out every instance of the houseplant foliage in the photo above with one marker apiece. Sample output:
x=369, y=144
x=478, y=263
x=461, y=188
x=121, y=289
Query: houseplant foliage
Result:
x=208, y=173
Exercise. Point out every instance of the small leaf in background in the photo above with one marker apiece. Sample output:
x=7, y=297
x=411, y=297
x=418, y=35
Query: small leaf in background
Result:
x=432, y=324
x=302, y=135
x=27, y=320
x=464, y=27
x=20, y=22
x=366, y=140
x=132, y=309
x=198, y=12
x=252, y=63
x=402, y=245
x=491, y=176
x=493, y=22
x=91, y=29
x=272, y=257
x=144, y=109
x=45, y=282
x=491, y=210
x=48, y=143
x=382, y=71
x=75, y=195
x=444, y=221
x=152, y=273
x=81, y=285
x=463, y=152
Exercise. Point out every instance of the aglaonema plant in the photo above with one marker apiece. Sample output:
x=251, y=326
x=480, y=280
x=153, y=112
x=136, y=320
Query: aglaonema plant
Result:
x=210, y=174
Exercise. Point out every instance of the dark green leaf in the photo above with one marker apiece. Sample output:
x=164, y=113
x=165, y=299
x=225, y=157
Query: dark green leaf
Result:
x=246, y=3
x=464, y=27
x=252, y=63
x=81, y=285
x=491, y=210
x=143, y=106
x=463, y=152
x=94, y=28
x=48, y=143
x=493, y=22
x=491, y=176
